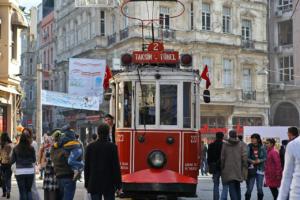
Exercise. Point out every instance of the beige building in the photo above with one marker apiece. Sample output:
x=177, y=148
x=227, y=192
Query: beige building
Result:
x=284, y=40
x=229, y=36
x=11, y=23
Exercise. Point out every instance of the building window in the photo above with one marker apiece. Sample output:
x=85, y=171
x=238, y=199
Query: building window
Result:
x=44, y=64
x=46, y=85
x=65, y=82
x=192, y=16
x=14, y=45
x=30, y=67
x=51, y=86
x=246, y=30
x=286, y=68
x=226, y=19
x=30, y=93
x=113, y=24
x=227, y=73
x=247, y=80
x=51, y=55
x=206, y=20
x=285, y=5
x=246, y=121
x=126, y=18
x=164, y=17
x=102, y=23
x=285, y=32
x=213, y=121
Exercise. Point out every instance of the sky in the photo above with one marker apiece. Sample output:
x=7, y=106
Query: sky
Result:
x=29, y=3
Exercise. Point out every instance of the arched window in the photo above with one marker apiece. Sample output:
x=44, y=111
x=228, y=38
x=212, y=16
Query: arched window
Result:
x=286, y=114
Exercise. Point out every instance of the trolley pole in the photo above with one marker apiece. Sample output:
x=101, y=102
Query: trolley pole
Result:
x=39, y=110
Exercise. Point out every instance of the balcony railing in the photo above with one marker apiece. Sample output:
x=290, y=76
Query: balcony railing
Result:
x=248, y=95
x=112, y=39
x=168, y=34
x=124, y=33
x=247, y=44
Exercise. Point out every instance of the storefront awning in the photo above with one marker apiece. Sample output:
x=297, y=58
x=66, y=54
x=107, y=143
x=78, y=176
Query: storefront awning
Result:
x=18, y=20
x=9, y=90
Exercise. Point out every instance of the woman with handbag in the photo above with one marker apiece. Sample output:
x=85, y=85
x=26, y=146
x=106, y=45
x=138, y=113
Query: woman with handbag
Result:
x=6, y=172
x=273, y=169
x=257, y=156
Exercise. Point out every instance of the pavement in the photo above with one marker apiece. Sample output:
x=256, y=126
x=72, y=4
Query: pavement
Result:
x=204, y=190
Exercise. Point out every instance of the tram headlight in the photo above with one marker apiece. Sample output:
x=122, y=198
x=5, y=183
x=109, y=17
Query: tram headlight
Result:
x=157, y=159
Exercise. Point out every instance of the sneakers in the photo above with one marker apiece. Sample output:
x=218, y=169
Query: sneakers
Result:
x=8, y=195
x=77, y=175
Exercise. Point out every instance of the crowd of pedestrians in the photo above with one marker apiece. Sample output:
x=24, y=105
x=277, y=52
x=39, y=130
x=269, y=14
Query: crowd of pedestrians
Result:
x=259, y=163
x=61, y=160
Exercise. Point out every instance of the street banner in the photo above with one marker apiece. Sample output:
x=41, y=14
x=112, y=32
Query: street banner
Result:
x=279, y=133
x=86, y=77
x=70, y=101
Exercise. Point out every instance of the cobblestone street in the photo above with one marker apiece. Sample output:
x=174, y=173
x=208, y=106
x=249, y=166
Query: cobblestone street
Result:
x=204, y=191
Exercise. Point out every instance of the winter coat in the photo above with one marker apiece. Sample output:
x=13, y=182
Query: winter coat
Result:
x=273, y=170
x=233, y=160
x=102, y=172
x=214, y=154
x=290, y=184
x=59, y=158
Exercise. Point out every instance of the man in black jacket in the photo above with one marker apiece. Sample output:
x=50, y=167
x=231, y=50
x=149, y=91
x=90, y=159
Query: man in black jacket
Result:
x=102, y=168
x=214, y=165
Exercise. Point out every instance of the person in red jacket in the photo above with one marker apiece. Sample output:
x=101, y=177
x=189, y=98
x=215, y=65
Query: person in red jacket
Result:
x=273, y=169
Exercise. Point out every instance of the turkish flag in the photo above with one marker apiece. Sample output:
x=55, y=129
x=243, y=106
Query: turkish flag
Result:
x=107, y=76
x=204, y=75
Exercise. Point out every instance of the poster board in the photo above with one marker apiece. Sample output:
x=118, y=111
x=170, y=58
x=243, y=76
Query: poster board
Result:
x=279, y=133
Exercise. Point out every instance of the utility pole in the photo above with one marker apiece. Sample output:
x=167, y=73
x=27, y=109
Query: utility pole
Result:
x=39, y=110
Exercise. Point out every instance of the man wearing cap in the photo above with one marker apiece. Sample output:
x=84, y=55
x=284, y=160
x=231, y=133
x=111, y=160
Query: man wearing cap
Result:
x=109, y=120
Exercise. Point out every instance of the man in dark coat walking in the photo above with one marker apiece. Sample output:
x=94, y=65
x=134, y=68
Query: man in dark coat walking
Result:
x=102, y=168
x=214, y=165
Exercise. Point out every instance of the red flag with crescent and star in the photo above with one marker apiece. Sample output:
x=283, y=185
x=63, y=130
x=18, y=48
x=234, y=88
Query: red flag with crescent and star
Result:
x=107, y=76
x=205, y=76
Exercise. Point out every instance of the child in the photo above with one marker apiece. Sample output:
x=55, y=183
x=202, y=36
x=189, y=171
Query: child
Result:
x=74, y=151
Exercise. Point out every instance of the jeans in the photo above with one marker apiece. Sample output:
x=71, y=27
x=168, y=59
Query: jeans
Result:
x=106, y=196
x=67, y=188
x=75, y=155
x=24, y=184
x=216, y=180
x=259, y=184
x=204, y=167
x=6, y=178
x=235, y=190
x=34, y=191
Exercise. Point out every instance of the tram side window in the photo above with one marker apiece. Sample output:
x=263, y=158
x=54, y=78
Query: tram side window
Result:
x=147, y=105
x=187, y=105
x=168, y=104
x=127, y=104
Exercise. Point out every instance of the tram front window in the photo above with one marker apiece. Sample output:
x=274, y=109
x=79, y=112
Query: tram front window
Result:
x=147, y=105
x=168, y=104
x=127, y=104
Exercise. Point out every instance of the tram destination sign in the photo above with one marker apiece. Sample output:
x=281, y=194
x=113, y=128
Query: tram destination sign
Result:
x=155, y=57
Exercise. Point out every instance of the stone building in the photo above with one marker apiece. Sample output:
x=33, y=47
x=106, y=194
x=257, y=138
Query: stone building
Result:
x=284, y=41
x=28, y=70
x=12, y=22
x=229, y=36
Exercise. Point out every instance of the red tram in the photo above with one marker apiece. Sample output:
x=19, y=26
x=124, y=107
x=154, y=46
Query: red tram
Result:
x=157, y=109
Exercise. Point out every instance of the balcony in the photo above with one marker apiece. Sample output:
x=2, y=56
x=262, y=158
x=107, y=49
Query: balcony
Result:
x=112, y=39
x=248, y=95
x=247, y=44
x=124, y=33
x=167, y=34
